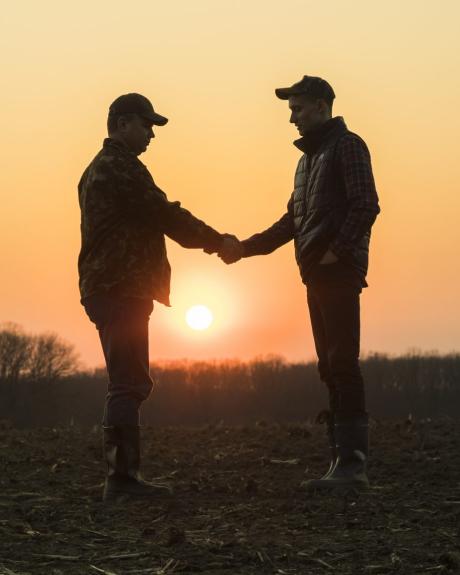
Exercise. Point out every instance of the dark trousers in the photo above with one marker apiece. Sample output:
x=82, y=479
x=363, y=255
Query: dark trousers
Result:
x=333, y=303
x=122, y=324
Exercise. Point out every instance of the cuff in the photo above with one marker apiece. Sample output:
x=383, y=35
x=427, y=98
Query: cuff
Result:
x=248, y=249
x=214, y=243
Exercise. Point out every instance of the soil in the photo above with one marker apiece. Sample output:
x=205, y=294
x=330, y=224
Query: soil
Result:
x=238, y=506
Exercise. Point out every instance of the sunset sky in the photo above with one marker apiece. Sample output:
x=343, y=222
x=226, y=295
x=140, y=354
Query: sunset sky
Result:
x=211, y=66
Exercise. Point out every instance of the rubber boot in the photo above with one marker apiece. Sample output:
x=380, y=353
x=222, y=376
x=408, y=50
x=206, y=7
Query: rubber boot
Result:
x=326, y=417
x=352, y=444
x=122, y=455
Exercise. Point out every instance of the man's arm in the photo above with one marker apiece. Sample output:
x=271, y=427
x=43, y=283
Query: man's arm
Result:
x=265, y=242
x=272, y=238
x=187, y=230
x=141, y=195
x=355, y=164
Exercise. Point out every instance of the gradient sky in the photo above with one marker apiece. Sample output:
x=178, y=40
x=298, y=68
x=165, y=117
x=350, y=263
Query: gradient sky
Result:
x=212, y=66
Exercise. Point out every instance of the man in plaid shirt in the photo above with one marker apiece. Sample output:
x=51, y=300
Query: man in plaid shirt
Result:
x=329, y=216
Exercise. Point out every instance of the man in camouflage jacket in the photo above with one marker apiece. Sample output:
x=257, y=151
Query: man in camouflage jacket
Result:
x=123, y=267
x=329, y=216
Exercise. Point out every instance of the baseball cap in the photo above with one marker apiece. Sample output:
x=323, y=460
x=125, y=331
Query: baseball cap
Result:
x=136, y=104
x=310, y=85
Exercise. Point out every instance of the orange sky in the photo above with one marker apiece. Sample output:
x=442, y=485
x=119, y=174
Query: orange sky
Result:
x=226, y=154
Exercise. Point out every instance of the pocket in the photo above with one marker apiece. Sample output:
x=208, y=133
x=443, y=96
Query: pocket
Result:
x=329, y=272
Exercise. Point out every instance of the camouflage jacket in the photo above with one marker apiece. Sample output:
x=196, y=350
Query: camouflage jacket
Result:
x=124, y=218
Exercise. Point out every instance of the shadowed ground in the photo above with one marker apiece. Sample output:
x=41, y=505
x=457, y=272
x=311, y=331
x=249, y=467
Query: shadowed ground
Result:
x=237, y=509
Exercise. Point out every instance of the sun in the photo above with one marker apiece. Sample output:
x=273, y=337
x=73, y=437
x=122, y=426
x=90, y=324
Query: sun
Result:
x=199, y=317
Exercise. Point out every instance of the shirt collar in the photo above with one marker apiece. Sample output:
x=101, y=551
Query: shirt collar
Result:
x=311, y=142
x=117, y=144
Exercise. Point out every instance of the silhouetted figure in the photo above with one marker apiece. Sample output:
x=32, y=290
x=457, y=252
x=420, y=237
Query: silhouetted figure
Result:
x=329, y=217
x=123, y=267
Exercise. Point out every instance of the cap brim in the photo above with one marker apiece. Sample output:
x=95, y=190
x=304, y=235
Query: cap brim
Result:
x=286, y=93
x=157, y=119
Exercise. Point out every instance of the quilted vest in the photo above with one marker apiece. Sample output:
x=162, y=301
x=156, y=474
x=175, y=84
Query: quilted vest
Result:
x=319, y=202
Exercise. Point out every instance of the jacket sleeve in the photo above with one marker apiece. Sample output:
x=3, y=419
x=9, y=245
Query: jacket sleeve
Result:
x=363, y=203
x=272, y=238
x=141, y=195
x=190, y=232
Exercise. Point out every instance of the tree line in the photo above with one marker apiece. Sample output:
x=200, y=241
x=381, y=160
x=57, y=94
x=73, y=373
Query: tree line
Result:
x=41, y=383
x=34, y=357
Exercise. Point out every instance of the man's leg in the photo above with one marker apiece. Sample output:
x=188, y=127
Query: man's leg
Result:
x=321, y=346
x=319, y=336
x=123, y=330
x=338, y=303
x=340, y=309
x=124, y=339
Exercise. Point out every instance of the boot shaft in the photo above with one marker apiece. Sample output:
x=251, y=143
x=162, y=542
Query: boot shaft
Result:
x=122, y=455
x=351, y=443
x=352, y=437
x=122, y=450
x=327, y=417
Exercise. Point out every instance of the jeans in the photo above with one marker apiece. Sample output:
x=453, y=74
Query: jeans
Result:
x=333, y=302
x=122, y=324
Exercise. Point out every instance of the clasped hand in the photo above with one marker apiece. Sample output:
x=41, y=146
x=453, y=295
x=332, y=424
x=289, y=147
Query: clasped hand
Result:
x=231, y=249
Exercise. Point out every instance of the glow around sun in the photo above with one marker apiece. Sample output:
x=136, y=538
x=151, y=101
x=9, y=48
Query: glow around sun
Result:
x=199, y=317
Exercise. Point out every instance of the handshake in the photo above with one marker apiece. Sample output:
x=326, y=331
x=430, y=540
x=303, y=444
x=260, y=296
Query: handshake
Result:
x=231, y=249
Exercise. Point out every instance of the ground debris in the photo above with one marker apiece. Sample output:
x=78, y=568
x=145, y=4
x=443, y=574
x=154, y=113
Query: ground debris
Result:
x=123, y=556
x=232, y=515
x=58, y=557
x=451, y=559
x=314, y=560
x=103, y=571
x=6, y=571
x=169, y=567
x=294, y=461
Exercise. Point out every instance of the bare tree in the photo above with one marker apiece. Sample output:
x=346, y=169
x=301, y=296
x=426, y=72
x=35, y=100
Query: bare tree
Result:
x=51, y=358
x=15, y=348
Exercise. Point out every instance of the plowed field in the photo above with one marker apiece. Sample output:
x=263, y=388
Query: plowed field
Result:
x=237, y=508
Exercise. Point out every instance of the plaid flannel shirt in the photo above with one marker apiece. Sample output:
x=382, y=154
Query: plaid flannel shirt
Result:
x=355, y=164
